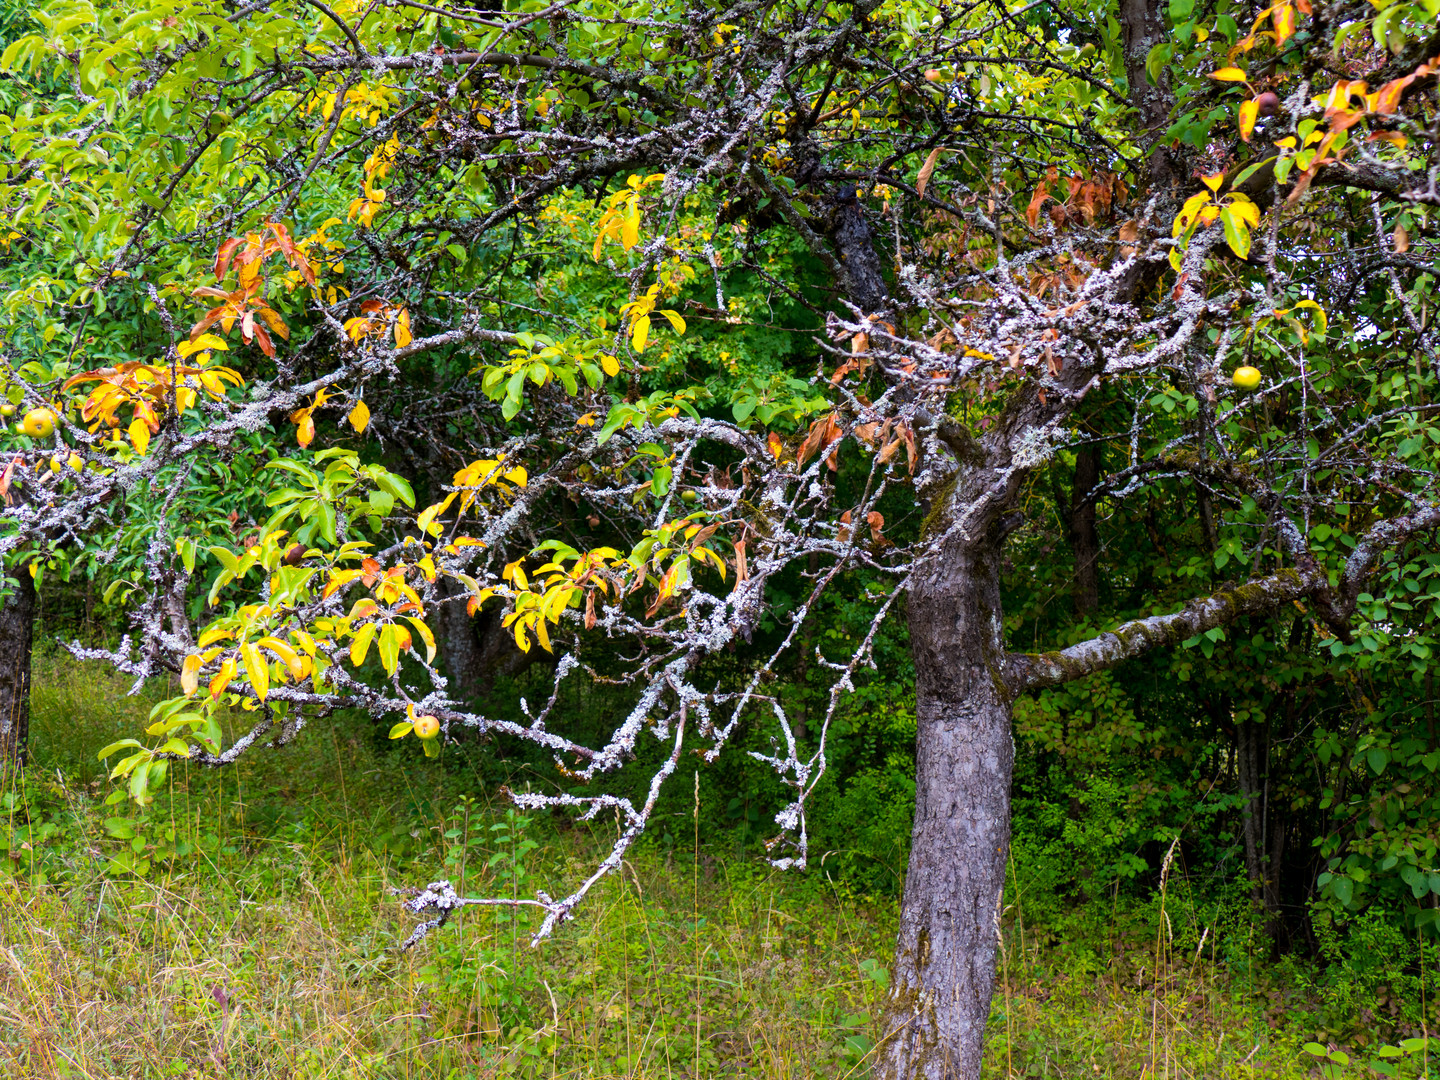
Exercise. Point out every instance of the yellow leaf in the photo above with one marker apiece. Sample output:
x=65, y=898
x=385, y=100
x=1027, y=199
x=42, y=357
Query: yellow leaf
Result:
x=1249, y=112
x=1213, y=181
x=200, y=344
x=425, y=636
x=212, y=635
x=305, y=428
x=288, y=656
x=630, y=228
x=361, y=645
x=359, y=416
x=1245, y=210
x=256, y=670
x=640, y=332
x=427, y=518
x=1228, y=74
x=403, y=336
x=190, y=674
x=139, y=435
x=676, y=322
x=609, y=365
x=515, y=572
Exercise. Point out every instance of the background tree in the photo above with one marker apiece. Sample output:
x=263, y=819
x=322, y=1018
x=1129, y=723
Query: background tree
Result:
x=979, y=257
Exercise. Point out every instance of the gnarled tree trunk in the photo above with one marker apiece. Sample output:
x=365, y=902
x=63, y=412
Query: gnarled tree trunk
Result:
x=17, y=626
x=949, y=918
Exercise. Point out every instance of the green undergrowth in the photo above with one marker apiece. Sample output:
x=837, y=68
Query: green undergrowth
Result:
x=246, y=925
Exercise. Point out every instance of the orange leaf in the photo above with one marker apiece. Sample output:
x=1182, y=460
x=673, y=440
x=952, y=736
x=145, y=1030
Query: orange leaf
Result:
x=1387, y=98
x=1037, y=201
x=1283, y=19
x=223, y=255
x=815, y=439
x=776, y=446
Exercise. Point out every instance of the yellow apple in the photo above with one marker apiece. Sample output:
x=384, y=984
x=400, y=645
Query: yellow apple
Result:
x=427, y=727
x=1247, y=378
x=38, y=423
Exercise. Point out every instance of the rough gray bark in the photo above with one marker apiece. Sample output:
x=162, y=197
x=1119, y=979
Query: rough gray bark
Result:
x=949, y=929
x=865, y=279
x=459, y=646
x=17, y=625
x=1142, y=25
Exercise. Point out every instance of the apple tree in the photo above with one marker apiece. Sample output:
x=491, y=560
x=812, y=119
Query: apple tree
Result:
x=538, y=253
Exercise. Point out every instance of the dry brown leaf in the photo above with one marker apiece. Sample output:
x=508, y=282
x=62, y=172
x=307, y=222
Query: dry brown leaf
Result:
x=1129, y=233
x=943, y=338
x=926, y=170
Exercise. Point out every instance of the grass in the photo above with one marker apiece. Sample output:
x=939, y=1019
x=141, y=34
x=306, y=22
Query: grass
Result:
x=266, y=945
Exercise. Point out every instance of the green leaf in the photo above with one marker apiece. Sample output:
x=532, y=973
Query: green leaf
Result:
x=1343, y=889
x=120, y=828
x=1237, y=233
x=116, y=747
x=389, y=647
x=227, y=558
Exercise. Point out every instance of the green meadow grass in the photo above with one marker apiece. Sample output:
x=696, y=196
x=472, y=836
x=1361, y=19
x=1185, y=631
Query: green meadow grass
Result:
x=267, y=947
